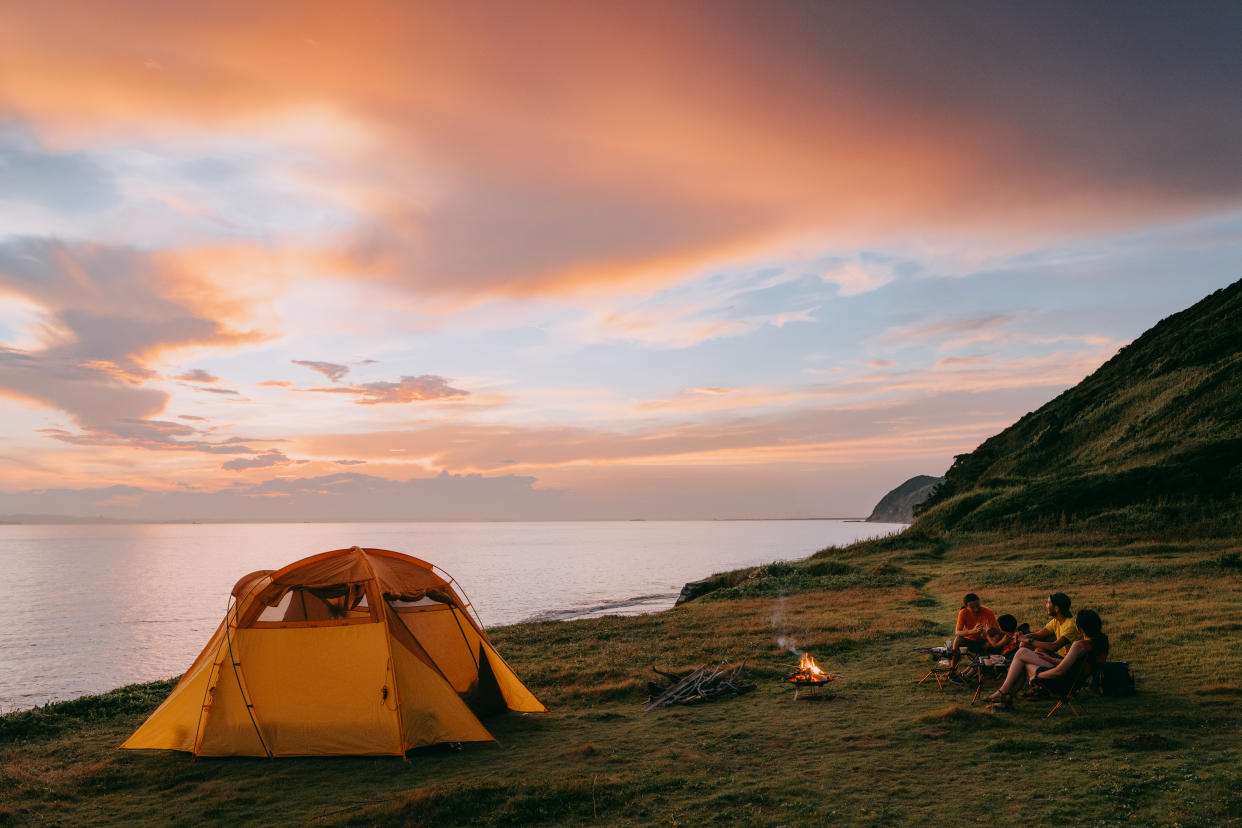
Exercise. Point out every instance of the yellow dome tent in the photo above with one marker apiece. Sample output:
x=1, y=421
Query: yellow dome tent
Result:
x=356, y=651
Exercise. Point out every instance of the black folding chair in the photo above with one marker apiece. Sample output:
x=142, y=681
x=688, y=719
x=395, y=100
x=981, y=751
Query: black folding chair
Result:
x=1064, y=688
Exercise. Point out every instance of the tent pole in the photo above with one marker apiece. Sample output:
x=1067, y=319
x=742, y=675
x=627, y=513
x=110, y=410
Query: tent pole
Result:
x=241, y=685
x=452, y=583
x=212, y=677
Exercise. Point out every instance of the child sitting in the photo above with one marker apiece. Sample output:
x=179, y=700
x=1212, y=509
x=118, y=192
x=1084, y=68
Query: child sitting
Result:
x=1004, y=639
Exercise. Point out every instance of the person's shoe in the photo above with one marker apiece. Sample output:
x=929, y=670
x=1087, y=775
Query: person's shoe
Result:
x=1000, y=701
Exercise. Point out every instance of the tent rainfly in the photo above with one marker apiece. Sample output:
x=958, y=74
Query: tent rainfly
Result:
x=357, y=651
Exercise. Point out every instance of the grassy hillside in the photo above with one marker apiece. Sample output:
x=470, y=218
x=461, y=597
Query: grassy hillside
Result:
x=885, y=751
x=1152, y=442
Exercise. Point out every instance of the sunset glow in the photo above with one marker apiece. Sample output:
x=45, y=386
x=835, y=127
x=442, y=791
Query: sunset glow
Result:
x=296, y=261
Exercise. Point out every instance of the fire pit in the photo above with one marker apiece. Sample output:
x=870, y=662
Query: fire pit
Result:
x=809, y=677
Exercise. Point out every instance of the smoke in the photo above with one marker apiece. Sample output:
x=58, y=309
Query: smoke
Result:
x=778, y=623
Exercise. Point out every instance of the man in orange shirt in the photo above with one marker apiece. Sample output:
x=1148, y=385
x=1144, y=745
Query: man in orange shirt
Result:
x=974, y=622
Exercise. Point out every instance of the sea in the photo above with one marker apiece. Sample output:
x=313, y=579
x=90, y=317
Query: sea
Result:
x=88, y=608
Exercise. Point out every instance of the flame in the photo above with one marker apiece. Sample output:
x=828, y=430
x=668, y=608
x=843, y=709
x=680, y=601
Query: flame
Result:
x=808, y=665
x=808, y=671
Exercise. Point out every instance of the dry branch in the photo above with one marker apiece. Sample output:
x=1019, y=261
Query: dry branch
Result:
x=703, y=684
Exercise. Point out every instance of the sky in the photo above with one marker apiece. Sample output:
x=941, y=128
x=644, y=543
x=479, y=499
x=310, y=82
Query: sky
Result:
x=581, y=260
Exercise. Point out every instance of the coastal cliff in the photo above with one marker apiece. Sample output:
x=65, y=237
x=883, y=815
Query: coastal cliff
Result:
x=898, y=505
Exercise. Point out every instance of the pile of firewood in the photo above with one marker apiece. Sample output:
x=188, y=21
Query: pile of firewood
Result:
x=701, y=685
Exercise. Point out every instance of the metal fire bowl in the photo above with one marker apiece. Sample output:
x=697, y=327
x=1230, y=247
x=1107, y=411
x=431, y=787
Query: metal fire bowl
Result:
x=813, y=688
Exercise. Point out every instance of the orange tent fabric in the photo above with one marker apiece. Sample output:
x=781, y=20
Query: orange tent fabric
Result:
x=355, y=651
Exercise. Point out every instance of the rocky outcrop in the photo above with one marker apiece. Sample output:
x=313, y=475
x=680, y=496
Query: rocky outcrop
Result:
x=898, y=505
x=696, y=589
x=721, y=580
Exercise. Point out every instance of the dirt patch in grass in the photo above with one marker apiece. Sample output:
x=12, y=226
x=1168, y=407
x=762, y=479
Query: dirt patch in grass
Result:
x=578, y=753
x=572, y=801
x=1145, y=741
x=956, y=714
x=867, y=741
x=630, y=688
x=1028, y=747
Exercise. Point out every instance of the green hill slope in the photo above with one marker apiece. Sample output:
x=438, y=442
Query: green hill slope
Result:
x=1151, y=441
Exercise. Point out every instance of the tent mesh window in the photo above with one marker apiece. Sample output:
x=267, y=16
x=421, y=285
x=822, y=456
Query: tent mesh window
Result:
x=402, y=603
x=332, y=604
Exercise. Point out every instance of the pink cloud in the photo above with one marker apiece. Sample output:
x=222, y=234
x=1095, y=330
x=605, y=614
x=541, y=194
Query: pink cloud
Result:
x=409, y=389
x=113, y=312
x=331, y=370
x=272, y=457
x=741, y=130
x=197, y=375
x=812, y=435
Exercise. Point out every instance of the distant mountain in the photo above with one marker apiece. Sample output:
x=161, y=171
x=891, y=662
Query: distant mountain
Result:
x=1152, y=440
x=898, y=505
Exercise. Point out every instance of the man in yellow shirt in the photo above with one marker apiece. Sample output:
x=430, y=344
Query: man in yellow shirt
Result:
x=1054, y=639
x=1041, y=649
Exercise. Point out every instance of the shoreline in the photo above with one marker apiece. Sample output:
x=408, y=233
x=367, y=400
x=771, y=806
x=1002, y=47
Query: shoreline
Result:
x=121, y=645
x=638, y=605
x=70, y=521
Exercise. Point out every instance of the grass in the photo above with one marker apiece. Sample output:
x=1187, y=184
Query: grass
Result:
x=884, y=751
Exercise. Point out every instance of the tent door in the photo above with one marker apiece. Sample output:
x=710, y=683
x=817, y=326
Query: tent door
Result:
x=486, y=697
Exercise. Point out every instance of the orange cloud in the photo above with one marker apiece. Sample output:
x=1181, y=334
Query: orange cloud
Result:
x=816, y=436
x=667, y=138
x=702, y=401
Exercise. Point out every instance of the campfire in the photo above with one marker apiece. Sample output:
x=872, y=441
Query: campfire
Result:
x=808, y=672
x=809, y=675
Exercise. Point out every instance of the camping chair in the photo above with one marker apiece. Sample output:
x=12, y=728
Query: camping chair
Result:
x=939, y=666
x=1065, y=688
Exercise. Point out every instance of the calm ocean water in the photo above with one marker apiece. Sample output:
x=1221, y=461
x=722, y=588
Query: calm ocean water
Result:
x=90, y=608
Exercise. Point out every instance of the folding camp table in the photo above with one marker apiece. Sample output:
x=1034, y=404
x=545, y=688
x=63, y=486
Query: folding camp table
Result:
x=940, y=666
